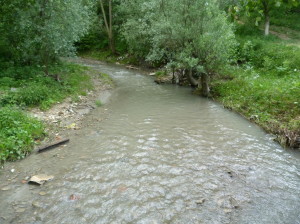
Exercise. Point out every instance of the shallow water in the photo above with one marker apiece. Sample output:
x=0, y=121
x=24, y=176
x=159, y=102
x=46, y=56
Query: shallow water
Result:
x=162, y=155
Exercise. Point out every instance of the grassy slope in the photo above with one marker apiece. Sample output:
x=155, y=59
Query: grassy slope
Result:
x=23, y=87
x=265, y=87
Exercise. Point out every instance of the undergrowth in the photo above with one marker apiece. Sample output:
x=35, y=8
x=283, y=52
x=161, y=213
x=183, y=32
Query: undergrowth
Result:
x=18, y=133
x=265, y=85
x=30, y=87
x=23, y=87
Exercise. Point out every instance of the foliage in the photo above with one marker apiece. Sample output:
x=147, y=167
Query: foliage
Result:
x=261, y=9
x=270, y=56
x=28, y=86
x=18, y=133
x=286, y=18
x=41, y=31
x=265, y=86
x=192, y=35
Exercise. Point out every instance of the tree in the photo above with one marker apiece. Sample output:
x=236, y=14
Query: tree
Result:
x=194, y=34
x=108, y=22
x=264, y=7
x=41, y=31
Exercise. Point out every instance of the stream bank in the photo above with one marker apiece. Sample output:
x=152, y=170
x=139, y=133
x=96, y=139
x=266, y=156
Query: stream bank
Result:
x=258, y=98
x=177, y=158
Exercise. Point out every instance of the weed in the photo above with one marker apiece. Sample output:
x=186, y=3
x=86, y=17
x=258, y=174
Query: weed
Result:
x=36, y=89
x=98, y=103
x=18, y=133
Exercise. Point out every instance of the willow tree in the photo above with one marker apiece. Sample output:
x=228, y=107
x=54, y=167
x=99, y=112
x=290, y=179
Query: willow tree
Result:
x=194, y=34
x=41, y=31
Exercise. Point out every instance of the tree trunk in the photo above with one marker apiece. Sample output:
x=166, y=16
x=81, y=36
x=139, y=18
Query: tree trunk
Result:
x=112, y=44
x=267, y=24
x=267, y=17
x=191, y=79
x=173, y=76
x=204, y=85
x=111, y=40
x=108, y=25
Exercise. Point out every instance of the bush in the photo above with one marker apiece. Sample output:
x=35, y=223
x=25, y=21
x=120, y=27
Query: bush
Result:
x=29, y=87
x=18, y=133
x=269, y=55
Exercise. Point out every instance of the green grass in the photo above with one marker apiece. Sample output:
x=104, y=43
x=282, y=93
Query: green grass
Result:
x=106, y=79
x=265, y=86
x=25, y=87
x=98, y=103
x=30, y=87
x=18, y=133
x=286, y=19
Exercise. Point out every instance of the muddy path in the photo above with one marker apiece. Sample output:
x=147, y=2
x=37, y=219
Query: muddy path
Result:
x=158, y=155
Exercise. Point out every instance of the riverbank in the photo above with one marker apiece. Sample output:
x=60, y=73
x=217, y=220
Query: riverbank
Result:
x=271, y=102
x=264, y=95
x=178, y=152
x=45, y=109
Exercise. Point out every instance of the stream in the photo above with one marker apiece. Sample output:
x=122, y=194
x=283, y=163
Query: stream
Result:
x=161, y=155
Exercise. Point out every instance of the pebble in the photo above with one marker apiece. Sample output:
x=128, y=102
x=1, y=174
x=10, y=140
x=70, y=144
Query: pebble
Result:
x=42, y=193
x=36, y=204
x=20, y=210
x=200, y=202
x=7, y=188
x=227, y=210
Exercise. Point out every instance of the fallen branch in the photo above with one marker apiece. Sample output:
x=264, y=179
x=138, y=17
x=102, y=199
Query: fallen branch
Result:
x=53, y=145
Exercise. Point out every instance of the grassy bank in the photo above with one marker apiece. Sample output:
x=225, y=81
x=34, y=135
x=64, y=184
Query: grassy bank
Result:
x=265, y=86
x=25, y=87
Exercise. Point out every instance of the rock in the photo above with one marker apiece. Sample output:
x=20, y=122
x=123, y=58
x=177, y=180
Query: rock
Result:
x=200, y=202
x=20, y=210
x=7, y=188
x=40, y=179
x=72, y=126
x=12, y=170
x=42, y=193
x=152, y=74
x=74, y=197
x=228, y=203
x=227, y=210
x=36, y=204
x=254, y=117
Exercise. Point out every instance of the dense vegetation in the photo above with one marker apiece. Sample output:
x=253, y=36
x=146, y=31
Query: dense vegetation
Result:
x=34, y=35
x=244, y=53
x=265, y=87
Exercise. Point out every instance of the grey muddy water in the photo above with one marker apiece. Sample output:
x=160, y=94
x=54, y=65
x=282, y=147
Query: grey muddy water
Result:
x=162, y=155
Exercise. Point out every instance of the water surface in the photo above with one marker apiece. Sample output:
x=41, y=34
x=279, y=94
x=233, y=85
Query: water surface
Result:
x=162, y=155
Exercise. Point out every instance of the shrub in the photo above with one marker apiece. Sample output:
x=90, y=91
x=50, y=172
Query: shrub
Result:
x=33, y=88
x=18, y=133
